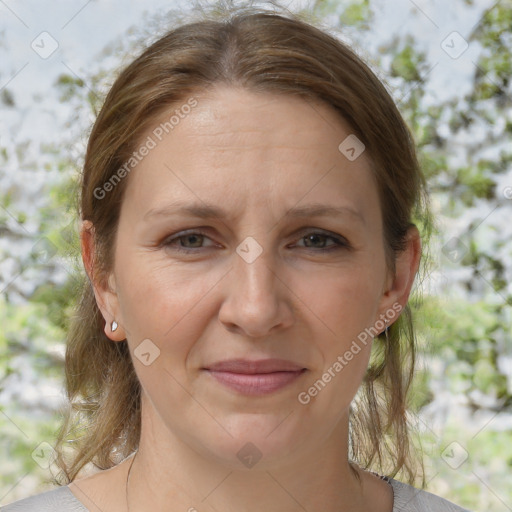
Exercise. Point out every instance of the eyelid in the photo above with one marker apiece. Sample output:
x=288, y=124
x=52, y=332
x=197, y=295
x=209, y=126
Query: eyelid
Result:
x=181, y=234
x=339, y=241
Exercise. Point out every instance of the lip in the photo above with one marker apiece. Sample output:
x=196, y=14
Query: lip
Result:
x=255, y=377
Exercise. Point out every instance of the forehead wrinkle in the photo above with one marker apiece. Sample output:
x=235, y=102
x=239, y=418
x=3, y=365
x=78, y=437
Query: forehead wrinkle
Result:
x=209, y=211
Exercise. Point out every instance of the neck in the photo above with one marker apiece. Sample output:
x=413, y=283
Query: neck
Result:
x=168, y=475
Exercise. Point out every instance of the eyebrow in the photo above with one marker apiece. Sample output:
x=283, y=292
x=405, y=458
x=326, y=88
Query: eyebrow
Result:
x=208, y=211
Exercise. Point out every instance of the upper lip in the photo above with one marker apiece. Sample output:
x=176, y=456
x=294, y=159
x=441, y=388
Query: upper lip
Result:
x=255, y=366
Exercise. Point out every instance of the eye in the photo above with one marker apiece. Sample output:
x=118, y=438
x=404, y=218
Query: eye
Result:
x=187, y=241
x=317, y=240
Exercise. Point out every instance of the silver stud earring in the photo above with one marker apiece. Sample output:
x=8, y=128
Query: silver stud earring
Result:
x=113, y=327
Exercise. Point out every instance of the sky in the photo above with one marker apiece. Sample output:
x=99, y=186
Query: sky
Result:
x=40, y=40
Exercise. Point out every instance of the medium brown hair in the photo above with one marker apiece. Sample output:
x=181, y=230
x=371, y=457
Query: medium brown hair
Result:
x=259, y=50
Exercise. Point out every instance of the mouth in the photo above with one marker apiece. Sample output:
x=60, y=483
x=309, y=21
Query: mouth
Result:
x=255, y=377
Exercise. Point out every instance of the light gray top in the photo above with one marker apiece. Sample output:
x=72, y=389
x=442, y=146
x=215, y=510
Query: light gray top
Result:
x=61, y=499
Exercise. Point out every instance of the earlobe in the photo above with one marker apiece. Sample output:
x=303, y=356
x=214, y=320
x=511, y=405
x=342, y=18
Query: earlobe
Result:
x=406, y=267
x=106, y=298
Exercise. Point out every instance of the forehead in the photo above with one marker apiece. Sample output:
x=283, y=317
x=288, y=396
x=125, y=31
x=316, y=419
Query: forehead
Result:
x=234, y=114
x=237, y=145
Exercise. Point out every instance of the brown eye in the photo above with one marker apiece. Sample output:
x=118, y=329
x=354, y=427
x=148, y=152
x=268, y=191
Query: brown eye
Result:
x=319, y=240
x=315, y=240
x=195, y=239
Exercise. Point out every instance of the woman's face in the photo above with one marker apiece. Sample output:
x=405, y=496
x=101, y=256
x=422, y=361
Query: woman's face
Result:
x=292, y=268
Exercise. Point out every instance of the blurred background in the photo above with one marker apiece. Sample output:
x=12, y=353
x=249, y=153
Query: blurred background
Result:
x=449, y=67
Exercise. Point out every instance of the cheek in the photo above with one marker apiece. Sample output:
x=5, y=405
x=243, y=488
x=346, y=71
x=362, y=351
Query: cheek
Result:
x=343, y=308
x=344, y=301
x=345, y=304
x=162, y=302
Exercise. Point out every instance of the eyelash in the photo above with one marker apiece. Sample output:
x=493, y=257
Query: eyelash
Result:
x=340, y=242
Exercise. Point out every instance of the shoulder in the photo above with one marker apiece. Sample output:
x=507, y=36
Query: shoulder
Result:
x=61, y=499
x=410, y=499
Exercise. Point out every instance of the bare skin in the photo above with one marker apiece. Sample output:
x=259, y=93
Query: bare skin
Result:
x=255, y=156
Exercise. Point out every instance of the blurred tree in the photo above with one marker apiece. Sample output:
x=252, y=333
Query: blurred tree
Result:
x=465, y=327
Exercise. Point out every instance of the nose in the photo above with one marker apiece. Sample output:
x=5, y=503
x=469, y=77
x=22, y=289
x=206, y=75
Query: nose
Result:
x=257, y=300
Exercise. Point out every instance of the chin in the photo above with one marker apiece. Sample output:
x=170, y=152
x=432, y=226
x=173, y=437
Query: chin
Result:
x=258, y=441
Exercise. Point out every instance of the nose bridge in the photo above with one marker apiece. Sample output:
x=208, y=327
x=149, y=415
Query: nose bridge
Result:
x=253, y=269
x=253, y=303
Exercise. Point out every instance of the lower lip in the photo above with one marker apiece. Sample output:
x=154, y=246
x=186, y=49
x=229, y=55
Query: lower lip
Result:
x=258, y=383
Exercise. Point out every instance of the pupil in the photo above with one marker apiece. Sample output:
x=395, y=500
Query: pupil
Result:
x=313, y=238
x=192, y=237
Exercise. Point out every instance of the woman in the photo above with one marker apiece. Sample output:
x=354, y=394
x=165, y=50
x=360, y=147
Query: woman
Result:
x=247, y=203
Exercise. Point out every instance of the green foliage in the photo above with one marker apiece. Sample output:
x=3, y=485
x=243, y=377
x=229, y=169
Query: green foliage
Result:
x=407, y=62
x=356, y=14
x=460, y=340
x=473, y=184
x=6, y=97
x=67, y=86
x=28, y=329
x=464, y=336
x=21, y=435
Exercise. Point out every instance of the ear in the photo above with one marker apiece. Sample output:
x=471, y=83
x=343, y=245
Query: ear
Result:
x=105, y=293
x=399, y=284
